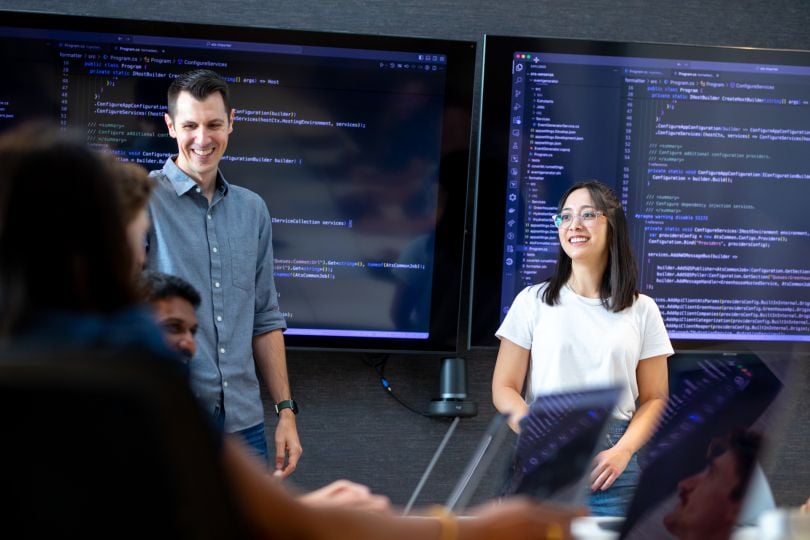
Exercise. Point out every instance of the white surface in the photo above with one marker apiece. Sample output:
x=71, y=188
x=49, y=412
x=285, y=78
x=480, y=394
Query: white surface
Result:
x=587, y=528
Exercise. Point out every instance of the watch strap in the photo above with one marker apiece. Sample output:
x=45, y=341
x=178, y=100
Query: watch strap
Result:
x=286, y=404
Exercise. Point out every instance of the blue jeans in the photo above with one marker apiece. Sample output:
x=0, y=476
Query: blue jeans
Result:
x=615, y=500
x=256, y=439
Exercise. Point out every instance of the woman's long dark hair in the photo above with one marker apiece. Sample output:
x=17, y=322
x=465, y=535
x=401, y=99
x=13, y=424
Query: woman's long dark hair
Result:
x=63, y=244
x=619, y=288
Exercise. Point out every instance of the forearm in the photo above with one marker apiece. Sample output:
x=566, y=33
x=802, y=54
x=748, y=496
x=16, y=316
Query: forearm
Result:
x=507, y=400
x=342, y=524
x=508, y=379
x=653, y=391
x=268, y=509
x=271, y=360
x=271, y=512
x=268, y=352
x=642, y=425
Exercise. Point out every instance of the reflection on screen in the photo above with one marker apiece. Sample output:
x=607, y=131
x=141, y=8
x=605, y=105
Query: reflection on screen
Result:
x=558, y=439
x=714, y=401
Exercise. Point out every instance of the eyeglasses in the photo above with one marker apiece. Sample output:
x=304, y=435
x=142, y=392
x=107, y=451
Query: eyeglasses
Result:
x=567, y=218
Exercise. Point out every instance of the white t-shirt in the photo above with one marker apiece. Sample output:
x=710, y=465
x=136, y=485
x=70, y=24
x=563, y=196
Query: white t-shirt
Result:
x=579, y=344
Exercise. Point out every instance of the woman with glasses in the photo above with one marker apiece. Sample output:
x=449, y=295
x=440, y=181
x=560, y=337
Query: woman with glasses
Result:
x=588, y=326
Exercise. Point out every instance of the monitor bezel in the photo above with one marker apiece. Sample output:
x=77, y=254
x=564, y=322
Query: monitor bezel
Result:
x=490, y=186
x=459, y=87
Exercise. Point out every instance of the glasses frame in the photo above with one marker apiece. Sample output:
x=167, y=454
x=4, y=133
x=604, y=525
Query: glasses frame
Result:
x=557, y=219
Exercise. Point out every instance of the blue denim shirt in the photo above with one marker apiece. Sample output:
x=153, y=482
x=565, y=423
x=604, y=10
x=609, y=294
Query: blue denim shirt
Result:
x=225, y=250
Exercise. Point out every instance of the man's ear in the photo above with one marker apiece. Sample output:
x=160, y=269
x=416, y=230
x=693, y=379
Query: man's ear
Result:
x=170, y=125
x=230, y=122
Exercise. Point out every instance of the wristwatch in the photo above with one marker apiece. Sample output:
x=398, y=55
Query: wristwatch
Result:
x=287, y=404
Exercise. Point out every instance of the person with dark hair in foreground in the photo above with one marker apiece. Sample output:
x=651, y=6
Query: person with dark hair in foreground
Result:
x=80, y=292
x=217, y=236
x=66, y=265
x=134, y=187
x=588, y=326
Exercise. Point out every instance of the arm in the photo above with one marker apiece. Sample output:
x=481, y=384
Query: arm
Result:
x=507, y=382
x=653, y=389
x=268, y=353
x=272, y=513
x=346, y=494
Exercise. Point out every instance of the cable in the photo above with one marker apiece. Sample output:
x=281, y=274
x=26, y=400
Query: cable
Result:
x=379, y=367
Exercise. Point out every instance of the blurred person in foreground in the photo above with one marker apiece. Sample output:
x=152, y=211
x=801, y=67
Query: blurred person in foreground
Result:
x=66, y=278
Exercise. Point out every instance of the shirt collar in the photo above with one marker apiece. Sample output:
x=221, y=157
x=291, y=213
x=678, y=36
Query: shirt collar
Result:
x=182, y=183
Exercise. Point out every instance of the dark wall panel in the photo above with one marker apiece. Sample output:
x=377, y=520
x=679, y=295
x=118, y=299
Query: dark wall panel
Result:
x=781, y=23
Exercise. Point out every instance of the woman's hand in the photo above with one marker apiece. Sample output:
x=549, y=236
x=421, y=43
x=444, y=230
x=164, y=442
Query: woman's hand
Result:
x=608, y=466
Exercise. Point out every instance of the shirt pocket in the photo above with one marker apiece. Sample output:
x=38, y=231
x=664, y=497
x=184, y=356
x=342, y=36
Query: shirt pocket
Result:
x=243, y=262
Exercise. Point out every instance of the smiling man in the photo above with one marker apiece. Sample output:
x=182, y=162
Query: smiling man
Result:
x=174, y=302
x=217, y=236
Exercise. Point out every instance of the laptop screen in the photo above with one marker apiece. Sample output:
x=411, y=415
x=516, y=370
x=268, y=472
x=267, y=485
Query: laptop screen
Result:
x=557, y=442
x=696, y=467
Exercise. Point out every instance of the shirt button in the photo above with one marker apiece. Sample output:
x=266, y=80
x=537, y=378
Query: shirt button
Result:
x=214, y=250
x=216, y=284
x=209, y=216
x=219, y=318
x=222, y=350
x=199, y=190
x=225, y=384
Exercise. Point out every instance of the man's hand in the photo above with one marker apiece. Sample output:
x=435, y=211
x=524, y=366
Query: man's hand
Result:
x=608, y=466
x=288, y=446
x=271, y=361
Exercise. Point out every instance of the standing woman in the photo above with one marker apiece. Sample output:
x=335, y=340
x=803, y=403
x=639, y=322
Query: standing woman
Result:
x=588, y=326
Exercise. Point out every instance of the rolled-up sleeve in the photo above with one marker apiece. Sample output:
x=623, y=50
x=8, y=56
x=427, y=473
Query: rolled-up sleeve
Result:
x=268, y=316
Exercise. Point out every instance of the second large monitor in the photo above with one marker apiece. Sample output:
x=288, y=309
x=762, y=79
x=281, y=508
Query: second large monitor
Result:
x=708, y=149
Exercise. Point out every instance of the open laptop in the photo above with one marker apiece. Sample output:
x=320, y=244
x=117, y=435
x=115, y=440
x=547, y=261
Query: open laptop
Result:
x=558, y=440
x=714, y=399
x=490, y=444
x=553, y=453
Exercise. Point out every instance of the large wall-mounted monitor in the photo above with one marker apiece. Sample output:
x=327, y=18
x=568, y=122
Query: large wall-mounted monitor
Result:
x=708, y=149
x=359, y=144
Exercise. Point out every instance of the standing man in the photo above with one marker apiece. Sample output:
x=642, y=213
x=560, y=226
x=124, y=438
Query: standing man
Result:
x=217, y=237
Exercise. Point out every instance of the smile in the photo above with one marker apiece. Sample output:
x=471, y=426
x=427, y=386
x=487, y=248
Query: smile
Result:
x=202, y=153
x=577, y=239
